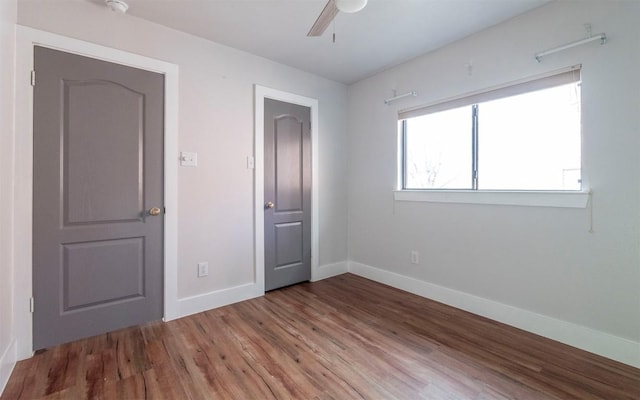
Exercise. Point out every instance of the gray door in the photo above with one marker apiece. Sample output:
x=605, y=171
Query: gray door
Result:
x=98, y=172
x=287, y=194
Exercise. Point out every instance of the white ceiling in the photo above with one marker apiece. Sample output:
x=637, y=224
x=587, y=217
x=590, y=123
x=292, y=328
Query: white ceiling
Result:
x=384, y=34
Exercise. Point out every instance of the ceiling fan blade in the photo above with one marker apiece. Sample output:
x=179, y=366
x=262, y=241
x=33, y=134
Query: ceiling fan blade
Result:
x=324, y=19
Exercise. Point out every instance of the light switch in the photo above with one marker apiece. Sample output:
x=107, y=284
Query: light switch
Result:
x=203, y=269
x=188, y=159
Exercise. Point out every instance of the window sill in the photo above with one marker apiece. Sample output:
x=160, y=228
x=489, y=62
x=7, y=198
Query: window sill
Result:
x=577, y=199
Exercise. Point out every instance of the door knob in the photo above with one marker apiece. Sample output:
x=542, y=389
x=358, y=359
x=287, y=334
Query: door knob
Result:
x=269, y=204
x=154, y=211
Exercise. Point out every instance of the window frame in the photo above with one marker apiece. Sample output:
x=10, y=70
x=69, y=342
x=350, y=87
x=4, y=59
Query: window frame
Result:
x=545, y=198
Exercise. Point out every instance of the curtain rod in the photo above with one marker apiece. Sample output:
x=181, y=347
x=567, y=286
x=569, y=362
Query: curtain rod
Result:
x=600, y=36
x=400, y=96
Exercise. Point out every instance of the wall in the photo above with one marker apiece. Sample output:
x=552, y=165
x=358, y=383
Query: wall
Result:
x=8, y=15
x=509, y=262
x=216, y=95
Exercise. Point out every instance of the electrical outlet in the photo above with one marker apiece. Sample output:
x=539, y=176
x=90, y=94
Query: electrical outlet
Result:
x=203, y=269
x=415, y=257
x=188, y=159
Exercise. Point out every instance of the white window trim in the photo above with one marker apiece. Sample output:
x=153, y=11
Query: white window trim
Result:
x=529, y=198
x=559, y=199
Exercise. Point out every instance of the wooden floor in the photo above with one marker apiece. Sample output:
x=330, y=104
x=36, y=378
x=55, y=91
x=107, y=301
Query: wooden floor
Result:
x=341, y=338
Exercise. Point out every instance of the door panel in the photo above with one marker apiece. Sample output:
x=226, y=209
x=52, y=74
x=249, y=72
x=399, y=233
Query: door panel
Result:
x=102, y=272
x=288, y=186
x=92, y=146
x=288, y=138
x=98, y=151
x=289, y=246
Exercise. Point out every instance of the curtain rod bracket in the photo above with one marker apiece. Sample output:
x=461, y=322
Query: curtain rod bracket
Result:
x=401, y=96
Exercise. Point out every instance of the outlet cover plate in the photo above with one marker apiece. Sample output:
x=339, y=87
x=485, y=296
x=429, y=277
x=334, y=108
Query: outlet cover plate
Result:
x=188, y=159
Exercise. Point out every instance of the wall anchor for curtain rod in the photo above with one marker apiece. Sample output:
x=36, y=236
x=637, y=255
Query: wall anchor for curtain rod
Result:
x=589, y=38
x=400, y=96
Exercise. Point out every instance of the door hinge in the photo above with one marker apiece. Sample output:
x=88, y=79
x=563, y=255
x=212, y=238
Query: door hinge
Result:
x=32, y=304
x=33, y=77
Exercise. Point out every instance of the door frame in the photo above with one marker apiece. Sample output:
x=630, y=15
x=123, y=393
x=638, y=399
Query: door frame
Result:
x=27, y=38
x=261, y=93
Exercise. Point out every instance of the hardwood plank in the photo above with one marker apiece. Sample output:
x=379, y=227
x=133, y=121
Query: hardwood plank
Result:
x=342, y=338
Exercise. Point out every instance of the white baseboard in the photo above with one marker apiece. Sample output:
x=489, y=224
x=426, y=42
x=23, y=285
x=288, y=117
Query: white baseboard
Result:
x=329, y=270
x=7, y=362
x=218, y=298
x=601, y=343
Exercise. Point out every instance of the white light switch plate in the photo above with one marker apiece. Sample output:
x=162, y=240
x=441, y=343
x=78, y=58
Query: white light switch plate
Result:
x=188, y=159
x=203, y=269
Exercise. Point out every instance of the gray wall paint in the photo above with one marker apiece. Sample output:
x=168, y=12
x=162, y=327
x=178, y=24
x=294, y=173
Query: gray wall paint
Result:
x=216, y=120
x=539, y=259
x=8, y=12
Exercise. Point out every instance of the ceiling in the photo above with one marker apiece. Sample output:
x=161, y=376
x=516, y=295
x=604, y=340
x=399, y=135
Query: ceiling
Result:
x=385, y=33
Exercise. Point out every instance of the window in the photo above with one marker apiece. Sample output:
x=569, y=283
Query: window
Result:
x=525, y=136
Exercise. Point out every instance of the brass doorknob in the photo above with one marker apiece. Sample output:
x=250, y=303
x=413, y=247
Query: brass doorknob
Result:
x=154, y=211
x=269, y=204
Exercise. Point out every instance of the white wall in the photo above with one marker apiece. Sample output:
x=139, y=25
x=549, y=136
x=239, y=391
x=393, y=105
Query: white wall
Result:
x=216, y=95
x=8, y=15
x=541, y=261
